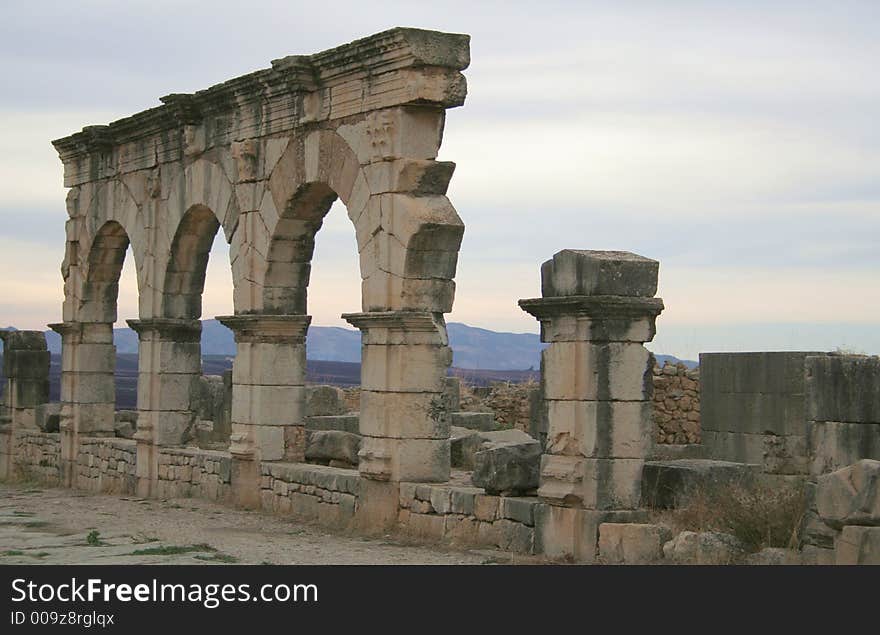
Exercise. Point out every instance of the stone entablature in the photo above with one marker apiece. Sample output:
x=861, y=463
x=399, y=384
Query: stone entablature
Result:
x=399, y=67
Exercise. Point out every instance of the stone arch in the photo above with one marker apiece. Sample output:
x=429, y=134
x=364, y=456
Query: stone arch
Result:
x=289, y=257
x=103, y=236
x=187, y=264
x=104, y=266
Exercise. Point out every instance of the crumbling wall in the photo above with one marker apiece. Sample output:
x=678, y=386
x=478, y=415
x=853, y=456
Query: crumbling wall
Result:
x=676, y=404
x=515, y=405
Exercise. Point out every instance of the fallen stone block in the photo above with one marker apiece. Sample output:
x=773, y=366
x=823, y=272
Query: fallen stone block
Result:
x=463, y=444
x=671, y=484
x=510, y=468
x=850, y=496
x=622, y=543
x=708, y=547
x=344, y=423
x=858, y=545
x=333, y=445
x=324, y=400
x=484, y=421
x=125, y=424
x=48, y=417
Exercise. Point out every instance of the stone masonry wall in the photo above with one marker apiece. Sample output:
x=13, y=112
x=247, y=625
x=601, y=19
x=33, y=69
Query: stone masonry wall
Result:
x=468, y=516
x=106, y=465
x=36, y=456
x=319, y=493
x=676, y=404
x=185, y=472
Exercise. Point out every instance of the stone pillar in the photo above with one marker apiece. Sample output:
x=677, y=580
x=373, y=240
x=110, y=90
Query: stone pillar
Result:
x=596, y=313
x=26, y=367
x=403, y=417
x=169, y=365
x=268, y=396
x=88, y=389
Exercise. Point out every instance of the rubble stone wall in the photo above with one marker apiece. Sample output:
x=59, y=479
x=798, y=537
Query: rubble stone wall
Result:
x=676, y=404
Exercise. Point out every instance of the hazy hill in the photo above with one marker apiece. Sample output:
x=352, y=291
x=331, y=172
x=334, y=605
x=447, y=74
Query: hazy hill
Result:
x=472, y=347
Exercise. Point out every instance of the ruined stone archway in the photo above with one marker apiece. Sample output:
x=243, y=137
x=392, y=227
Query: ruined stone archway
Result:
x=263, y=156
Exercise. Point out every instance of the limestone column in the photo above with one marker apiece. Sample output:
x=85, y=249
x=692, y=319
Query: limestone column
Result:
x=88, y=389
x=169, y=365
x=403, y=418
x=596, y=313
x=268, y=396
x=26, y=367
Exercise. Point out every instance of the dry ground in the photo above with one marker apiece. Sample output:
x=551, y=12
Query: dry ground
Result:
x=52, y=526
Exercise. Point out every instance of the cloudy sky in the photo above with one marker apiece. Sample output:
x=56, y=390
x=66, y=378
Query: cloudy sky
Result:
x=736, y=142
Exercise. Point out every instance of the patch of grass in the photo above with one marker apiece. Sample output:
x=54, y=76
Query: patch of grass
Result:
x=93, y=539
x=172, y=550
x=22, y=514
x=759, y=515
x=217, y=557
x=39, y=554
x=11, y=552
x=36, y=523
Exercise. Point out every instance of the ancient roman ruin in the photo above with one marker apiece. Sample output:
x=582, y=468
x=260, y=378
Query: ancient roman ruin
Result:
x=603, y=443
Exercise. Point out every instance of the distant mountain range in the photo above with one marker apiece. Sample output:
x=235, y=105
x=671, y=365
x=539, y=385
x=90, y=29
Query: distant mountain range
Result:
x=472, y=348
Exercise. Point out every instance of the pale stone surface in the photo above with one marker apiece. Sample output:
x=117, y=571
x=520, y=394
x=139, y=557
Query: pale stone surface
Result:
x=858, y=545
x=850, y=496
x=703, y=548
x=632, y=543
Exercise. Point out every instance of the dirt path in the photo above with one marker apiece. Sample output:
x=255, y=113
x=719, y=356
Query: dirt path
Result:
x=56, y=526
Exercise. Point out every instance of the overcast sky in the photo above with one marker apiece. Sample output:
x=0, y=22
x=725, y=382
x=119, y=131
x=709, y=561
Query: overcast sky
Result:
x=737, y=143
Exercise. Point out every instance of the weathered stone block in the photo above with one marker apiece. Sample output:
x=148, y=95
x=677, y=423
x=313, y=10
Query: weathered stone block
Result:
x=586, y=371
x=858, y=545
x=570, y=533
x=844, y=388
x=833, y=445
x=327, y=445
x=586, y=272
x=522, y=510
x=408, y=415
x=850, y=496
x=343, y=423
x=48, y=416
x=508, y=468
x=703, y=548
x=671, y=484
x=632, y=543
x=324, y=401
x=600, y=429
x=484, y=421
x=463, y=445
